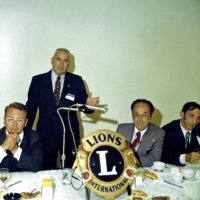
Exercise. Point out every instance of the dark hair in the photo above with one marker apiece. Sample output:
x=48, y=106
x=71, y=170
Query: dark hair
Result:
x=143, y=101
x=16, y=105
x=190, y=106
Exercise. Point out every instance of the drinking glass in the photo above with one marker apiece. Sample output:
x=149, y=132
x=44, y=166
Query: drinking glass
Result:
x=4, y=176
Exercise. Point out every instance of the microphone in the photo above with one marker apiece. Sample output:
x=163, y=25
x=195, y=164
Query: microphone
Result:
x=86, y=108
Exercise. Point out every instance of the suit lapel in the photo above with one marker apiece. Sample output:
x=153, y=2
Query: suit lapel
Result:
x=147, y=140
x=48, y=89
x=180, y=137
x=66, y=87
x=130, y=131
x=2, y=135
x=25, y=141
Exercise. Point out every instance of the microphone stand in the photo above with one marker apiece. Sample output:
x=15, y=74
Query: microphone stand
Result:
x=81, y=108
x=87, y=191
x=64, y=131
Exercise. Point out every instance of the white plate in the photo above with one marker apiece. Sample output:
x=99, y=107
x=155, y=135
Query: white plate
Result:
x=143, y=198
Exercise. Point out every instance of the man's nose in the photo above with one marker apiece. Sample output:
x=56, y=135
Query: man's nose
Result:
x=62, y=62
x=14, y=123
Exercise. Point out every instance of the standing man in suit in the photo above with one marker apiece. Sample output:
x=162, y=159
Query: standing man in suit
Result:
x=182, y=139
x=20, y=149
x=49, y=91
x=146, y=138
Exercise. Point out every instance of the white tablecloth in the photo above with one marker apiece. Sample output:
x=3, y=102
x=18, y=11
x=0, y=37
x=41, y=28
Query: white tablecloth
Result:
x=62, y=191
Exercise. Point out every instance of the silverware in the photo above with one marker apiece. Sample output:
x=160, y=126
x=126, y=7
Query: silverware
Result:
x=65, y=175
x=170, y=183
x=14, y=183
x=33, y=190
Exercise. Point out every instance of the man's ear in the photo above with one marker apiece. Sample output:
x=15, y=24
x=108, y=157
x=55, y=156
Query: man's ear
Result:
x=182, y=114
x=26, y=121
x=4, y=120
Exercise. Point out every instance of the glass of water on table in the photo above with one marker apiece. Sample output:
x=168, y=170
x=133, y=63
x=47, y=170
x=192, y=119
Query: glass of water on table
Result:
x=4, y=176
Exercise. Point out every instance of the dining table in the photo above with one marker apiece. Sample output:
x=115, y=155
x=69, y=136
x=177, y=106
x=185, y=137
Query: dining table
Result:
x=68, y=186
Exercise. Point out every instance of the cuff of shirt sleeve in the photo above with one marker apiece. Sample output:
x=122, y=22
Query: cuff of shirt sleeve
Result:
x=18, y=153
x=182, y=159
x=2, y=154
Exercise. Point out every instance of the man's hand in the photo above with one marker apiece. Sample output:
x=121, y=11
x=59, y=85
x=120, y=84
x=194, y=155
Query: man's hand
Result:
x=92, y=101
x=192, y=157
x=11, y=143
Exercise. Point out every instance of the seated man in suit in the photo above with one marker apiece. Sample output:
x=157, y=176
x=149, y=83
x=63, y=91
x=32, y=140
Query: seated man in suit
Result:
x=20, y=149
x=146, y=138
x=182, y=143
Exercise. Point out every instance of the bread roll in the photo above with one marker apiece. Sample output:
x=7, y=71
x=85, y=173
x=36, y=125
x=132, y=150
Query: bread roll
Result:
x=139, y=193
x=28, y=195
x=151, y=175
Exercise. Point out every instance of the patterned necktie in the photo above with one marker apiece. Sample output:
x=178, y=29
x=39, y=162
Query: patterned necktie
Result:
x=136, y=142
x=187, y=139
x=57, y=91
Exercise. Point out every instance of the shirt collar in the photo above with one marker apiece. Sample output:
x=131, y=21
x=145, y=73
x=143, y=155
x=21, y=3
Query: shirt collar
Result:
x=54, y=76
x=142, y=132
x=183, y=130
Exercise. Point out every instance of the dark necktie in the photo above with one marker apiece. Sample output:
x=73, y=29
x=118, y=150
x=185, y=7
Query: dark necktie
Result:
x=136, y=142
x=57, y=91
x=187, y=139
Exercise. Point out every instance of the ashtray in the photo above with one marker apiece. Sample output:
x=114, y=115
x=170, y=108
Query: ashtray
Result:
x=12, y=196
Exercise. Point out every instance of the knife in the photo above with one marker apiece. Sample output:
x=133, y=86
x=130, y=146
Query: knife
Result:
x=170, y=183
x=14, y=183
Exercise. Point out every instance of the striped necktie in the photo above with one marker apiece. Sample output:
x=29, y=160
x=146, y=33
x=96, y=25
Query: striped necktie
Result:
x=136, y=142
x=187, y=139
x=57, y=91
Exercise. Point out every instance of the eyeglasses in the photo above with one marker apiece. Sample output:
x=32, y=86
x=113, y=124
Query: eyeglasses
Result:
x=11, y=120
x=138, y=116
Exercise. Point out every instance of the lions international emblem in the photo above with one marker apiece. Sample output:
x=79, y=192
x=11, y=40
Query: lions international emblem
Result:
x=106, y=162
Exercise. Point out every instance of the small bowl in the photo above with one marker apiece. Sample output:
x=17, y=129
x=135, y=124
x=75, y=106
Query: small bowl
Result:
x=158, y=166
x=188, y=173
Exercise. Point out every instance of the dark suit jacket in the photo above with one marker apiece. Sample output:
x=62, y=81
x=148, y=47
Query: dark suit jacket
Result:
x=174, y=143
x=32, y=153
x=150, y=148
x=49, y=125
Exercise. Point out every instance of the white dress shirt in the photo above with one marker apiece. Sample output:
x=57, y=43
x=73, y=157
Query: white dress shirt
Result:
x=135, y=136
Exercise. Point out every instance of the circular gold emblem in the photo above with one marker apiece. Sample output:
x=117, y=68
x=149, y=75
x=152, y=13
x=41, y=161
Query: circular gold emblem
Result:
x=106, y=163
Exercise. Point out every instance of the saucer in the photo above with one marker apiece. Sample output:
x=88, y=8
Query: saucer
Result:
x=159, y=171
x=188, y=179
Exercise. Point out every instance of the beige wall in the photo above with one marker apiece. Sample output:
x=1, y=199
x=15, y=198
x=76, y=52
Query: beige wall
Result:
x=123, y=49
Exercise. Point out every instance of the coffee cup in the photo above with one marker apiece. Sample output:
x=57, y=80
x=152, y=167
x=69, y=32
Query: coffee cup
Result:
x=188, y=173
x=177, y=177
x=174, y=170
x=158, y=165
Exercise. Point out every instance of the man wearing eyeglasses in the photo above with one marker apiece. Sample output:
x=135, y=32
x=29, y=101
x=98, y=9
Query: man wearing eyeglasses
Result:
x=20, y=149
x=145, y=137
